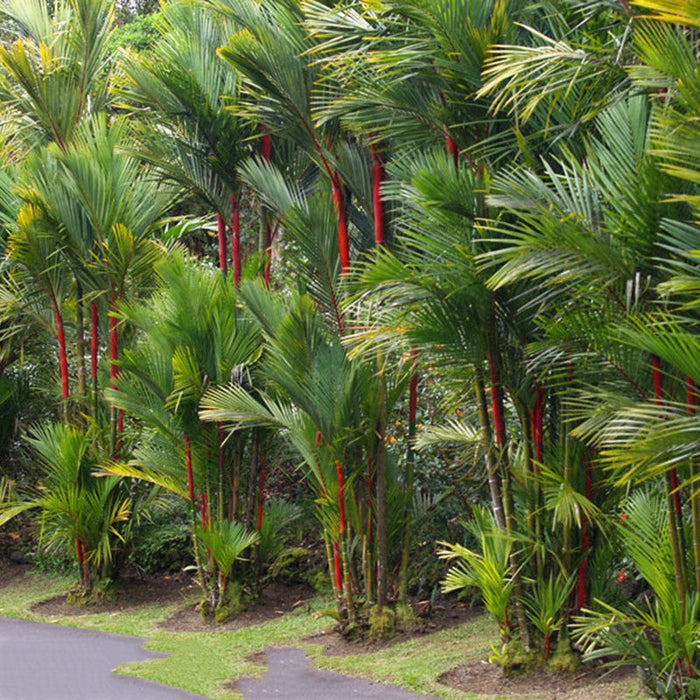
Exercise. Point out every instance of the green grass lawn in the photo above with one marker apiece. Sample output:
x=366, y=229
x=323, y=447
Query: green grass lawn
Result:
x=206, y=662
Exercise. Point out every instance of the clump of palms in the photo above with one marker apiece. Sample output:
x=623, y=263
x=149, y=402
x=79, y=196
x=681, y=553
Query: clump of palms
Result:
x=488, y=569
x=225, y=542
x=189, y=335
x=79, y=512
x=656, y=633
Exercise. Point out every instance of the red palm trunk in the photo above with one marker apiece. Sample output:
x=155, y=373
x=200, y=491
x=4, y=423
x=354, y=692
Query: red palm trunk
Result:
x=378, y=205
x=236, y=242
x=451, y=148
x=341, y=497
x=339, y=204
x=265, y=143
x=499, y=425
x=113, y=351
x=62, y=355
x=336, y=562
x=536, y=419
x=450, y=145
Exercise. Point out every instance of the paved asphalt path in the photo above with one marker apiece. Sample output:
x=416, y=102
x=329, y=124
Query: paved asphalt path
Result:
x=290, y=677
x=39, y=661
x=50, y=662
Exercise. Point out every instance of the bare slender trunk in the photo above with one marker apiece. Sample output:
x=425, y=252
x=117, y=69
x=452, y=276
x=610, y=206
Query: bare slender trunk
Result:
x=673, y=503
x=268, y=250
x=80, y=341
x=339, y=204
x=253, y=478
x=491, y=465
x=342, y=552
x=222, y=470
x=585, y=542
x=410, y=474
x=221, y=231
x=188, y=467
x=62, y=356
x=378, y=205
x=261, y=491
x=235, y=511
x=236, y=241
x=380, y=478
x=493, y=359
x=94, y=340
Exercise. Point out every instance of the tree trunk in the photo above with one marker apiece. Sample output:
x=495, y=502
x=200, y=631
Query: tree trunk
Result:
x=221, y=231
x=62, y=356
x=221, y=510
x=491, y=466
x=378, y=205
x=673, y=502
x=410, y=473
x=380, y=478
x=261, y=491
x=252, y=478
x=188, y=467
x=94, y=346
x=236, y=242
x=585, y=542
x=80, y=342
x=339, y=204
x=235, y=509
x=268, y=250
x=342, y=550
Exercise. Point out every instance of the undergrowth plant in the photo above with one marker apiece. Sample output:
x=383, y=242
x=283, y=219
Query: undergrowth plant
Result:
x=655, y=632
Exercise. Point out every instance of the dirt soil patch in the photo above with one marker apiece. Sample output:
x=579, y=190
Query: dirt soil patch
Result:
x=275, y=600
x=10, y=572
x=130, y=593
x=484, y=678
x=448, y=613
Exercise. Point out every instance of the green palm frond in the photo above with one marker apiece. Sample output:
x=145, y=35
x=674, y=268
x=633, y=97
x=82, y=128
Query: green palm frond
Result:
x=488, y=571
x=226, y=541
x=59, y=72
x=561, y=69
x=567, y=505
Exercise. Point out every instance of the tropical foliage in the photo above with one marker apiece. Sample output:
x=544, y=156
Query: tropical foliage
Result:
x=492, y=201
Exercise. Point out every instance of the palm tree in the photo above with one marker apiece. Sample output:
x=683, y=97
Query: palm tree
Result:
x=183, y=95
x=599, y=226
x=190, y=336
x=272, y=53
x=77, y=510
x=323, y=404
x=55, y=75
x=57, y=72
x=96, y=208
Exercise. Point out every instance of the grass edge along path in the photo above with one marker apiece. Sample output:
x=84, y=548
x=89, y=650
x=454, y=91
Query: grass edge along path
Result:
x=211, y=669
